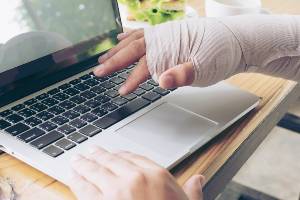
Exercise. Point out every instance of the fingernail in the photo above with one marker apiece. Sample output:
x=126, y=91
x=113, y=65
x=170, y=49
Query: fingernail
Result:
x=92, y=149
x=168, y=81
x=99, y=70
x=123, y=90
x=103, y=57
x=121, y=35
x=75, y=158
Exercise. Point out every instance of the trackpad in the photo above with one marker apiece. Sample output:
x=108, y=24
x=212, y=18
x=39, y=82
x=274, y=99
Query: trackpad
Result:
x=167, y=129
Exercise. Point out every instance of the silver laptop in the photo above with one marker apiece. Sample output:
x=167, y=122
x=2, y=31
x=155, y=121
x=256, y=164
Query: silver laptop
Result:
x=52, y=106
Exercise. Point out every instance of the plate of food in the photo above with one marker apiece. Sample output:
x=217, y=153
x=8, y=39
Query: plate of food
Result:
x=143, y=13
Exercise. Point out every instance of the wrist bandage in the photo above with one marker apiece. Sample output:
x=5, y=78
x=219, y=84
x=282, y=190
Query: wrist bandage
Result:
x=220, y=48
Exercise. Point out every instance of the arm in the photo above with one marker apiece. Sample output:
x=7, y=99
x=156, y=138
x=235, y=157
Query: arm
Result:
x=204, y=51
x=220, y=48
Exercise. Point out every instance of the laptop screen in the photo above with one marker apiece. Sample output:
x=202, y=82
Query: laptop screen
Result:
x=42, y=37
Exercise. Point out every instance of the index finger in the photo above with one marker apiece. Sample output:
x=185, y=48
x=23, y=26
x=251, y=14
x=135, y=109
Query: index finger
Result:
x=126, y=56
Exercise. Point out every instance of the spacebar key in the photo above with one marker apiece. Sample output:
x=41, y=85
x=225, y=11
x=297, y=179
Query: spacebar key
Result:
x=121, y=113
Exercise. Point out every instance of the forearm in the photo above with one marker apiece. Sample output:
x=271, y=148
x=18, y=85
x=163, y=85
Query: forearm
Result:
x=220, y=48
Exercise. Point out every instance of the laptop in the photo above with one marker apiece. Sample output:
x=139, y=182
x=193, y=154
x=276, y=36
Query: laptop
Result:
x=53, y=107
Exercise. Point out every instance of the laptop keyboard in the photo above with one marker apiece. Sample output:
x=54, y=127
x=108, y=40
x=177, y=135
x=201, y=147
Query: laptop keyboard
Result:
x=64, y=117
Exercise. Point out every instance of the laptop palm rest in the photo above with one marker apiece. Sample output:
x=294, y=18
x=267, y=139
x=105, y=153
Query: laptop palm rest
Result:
x=167, y=129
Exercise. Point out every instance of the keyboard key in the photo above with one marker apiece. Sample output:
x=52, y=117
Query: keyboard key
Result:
x=88, y=94
x=70, y=114
x=30, y=135
x=92, y=103
x=146, y=86
x=100, y=79
x=48, y=126
x=75, y=81
x=54, y=91
x=50, y=102
x=67, y=104
x=61, y=96
x=112, y=93
x=161, y=91
x=17, y=129
x=121, y=113
x=27, y=113
x=47, y=139
x=91, y=82
x=82, y=87
x=77, y=137
x=4, y=124
x=72, y=91
x=99, y=112
x=44, y=115
x=53, y=151
x=152, y=82
x=117, y=80
x=33, y=121
x=102, y=98
x=124, y=75
x=119, y=101
x=139, y=91
x=42, y=96
x=78, y=123
x=130, y=96
x=90, y=130
x=66, y=129
x=30, y=102
x=112, y=75
x=64, y=86
x=56, y=110
x=88, y=117
x=6, y=113
x=14, y=118
x=85, y=77
x=107, y=85
x=109, y=106
x=18, y=107
x=59, y=120
x=65, y=144
x=38, y=107
x=77, y=99
x=151, y=96
x=81, y=109
x=98, y=89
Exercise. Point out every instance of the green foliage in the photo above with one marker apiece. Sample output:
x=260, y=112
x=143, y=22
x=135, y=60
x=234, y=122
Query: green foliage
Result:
x=153, y=14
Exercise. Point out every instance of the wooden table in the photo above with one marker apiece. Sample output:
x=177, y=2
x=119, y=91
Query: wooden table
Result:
x=218, y=161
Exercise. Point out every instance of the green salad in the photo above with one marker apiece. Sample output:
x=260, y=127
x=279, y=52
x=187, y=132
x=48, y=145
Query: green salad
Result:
x=154, y=11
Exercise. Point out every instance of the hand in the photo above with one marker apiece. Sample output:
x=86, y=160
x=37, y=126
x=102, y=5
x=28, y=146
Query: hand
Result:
x=101, y=175
x=132, y=48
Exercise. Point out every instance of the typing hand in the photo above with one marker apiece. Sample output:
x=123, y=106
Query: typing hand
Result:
x=102, y=175
x=132, y=48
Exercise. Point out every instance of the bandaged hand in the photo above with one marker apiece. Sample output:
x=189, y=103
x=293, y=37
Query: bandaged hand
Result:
x=204, y=51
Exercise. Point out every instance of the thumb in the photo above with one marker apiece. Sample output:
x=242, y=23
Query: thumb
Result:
x=178, y=76
x=193, y=187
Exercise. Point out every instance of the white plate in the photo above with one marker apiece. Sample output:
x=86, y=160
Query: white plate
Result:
x=190, y=12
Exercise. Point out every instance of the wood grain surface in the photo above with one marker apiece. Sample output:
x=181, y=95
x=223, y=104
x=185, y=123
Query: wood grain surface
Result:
x=225, y=155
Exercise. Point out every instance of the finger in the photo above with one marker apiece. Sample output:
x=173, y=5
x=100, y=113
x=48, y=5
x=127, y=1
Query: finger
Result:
x=178, y=76
x=126, y=34
x=193, y=187
x=135, y=35
x=138, y=75
x=116, y=164
x=83, y=189
x=96, y=174
x=126, y=56
x=139, y=160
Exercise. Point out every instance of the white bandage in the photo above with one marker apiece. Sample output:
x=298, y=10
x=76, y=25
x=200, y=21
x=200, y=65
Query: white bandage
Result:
x=220, y=48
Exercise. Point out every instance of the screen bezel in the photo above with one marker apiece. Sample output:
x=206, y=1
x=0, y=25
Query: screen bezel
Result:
x=30, y=85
